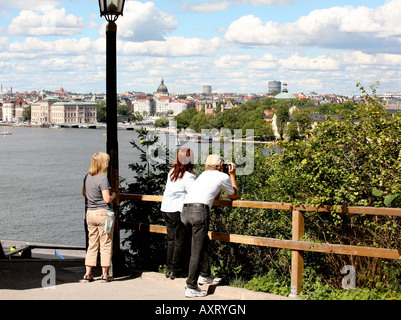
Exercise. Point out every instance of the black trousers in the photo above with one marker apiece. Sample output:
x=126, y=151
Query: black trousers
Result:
x=197, y=220
x=176, y=232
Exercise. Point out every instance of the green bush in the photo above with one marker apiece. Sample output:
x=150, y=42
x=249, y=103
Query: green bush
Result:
x=272, y=282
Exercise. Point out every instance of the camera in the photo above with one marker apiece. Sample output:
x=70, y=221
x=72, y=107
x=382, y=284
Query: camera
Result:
x=226, y=167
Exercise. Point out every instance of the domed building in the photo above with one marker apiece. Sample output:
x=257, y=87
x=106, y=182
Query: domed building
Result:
x=161, y=90
x=284, y=95
x=162, y=98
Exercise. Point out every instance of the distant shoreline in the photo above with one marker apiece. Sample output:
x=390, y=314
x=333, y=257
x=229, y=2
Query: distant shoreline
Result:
x=102, y=126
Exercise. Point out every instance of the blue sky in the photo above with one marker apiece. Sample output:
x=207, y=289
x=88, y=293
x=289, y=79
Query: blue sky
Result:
x=231, y=45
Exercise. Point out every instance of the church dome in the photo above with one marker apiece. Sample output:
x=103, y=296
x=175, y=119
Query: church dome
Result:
x=284, y=95
x=162, y=88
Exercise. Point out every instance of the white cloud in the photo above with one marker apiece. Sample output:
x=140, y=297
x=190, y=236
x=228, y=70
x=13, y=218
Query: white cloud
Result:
x=38, y=5
x=265, y=2
x=370, y=30
x=240, y=32
x=3, y=43
x=363, y=59
x=213, y=5
x=187, y=66
x=321, y=63
x=266, y=62
x=208, y=6
x=232, y=61
x=173, y=47
x=144, y=22
x=51, y=22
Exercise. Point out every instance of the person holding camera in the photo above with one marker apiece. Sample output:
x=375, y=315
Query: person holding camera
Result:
x=195, y=215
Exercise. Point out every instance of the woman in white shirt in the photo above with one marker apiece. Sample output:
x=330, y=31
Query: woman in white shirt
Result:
x=179, y=180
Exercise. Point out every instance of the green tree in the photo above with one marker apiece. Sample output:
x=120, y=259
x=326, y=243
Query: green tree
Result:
x=101, y=114
x=184, y=118
x=303, y=122
x=283, y=116
x=123, y=109
x=162, y=122
x=292, y=131
x=146, y=251
x=135, y=116
x=26, y=114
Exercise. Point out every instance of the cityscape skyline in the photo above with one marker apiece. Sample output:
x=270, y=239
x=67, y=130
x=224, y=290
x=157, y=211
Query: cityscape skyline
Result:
x=236, y=46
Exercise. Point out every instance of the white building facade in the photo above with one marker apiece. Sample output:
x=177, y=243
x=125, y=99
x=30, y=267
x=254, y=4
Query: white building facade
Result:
x=51, y=110
x=8, y=113
x=145, y=105
x=178, y=106
x=162, y=105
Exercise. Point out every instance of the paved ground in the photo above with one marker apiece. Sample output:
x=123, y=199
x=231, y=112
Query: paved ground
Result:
x=49, y=277
x=34, y=280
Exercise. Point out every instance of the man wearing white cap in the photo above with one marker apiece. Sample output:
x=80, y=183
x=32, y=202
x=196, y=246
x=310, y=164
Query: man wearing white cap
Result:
x=195, y=215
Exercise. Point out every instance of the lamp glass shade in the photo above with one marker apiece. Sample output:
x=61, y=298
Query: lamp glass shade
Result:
x=111, y=7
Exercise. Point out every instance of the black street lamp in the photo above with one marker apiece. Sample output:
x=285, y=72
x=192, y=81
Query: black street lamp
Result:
x=111, y=10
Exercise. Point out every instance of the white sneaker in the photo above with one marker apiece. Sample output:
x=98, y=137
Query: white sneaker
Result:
x=209, y=280
x=192, y=293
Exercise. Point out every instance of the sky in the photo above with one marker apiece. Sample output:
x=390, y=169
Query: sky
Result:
x=233, y=46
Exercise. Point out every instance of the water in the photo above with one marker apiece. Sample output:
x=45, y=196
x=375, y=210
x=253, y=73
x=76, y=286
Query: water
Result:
x=41, y=176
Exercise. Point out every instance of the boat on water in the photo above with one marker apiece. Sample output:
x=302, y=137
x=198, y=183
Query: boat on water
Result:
x=6, y=133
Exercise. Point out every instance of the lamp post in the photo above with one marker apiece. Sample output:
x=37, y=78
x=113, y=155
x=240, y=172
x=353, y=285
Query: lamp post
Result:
x=111, y=10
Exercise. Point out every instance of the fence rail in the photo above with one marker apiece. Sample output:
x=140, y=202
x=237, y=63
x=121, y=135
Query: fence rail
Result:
x=297, y=246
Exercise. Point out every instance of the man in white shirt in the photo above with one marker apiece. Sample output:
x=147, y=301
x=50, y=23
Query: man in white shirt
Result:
x=195, y=215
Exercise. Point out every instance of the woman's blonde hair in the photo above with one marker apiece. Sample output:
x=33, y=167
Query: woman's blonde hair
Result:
x=99, y=163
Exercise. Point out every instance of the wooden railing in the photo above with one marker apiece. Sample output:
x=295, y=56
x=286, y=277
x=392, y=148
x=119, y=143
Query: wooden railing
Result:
x=297, y=246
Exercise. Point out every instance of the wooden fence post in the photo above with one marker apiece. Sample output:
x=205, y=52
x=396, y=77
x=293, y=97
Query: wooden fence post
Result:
x=297, y=256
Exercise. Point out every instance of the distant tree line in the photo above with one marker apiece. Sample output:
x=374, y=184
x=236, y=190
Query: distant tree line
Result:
x=249, y=115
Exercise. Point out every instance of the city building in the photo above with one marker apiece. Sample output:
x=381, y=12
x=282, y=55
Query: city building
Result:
x=52, y=110
x=162, y=90
x=8, y=111
x=207, y=89
x=162, y=99
x=268, y=115
x=144, y=104
x=274, y=86
x=284, y=94
x=162, y=105
x=178, y=106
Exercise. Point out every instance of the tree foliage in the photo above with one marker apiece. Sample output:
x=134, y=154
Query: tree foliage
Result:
x=146, y=250
x=162, y=122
